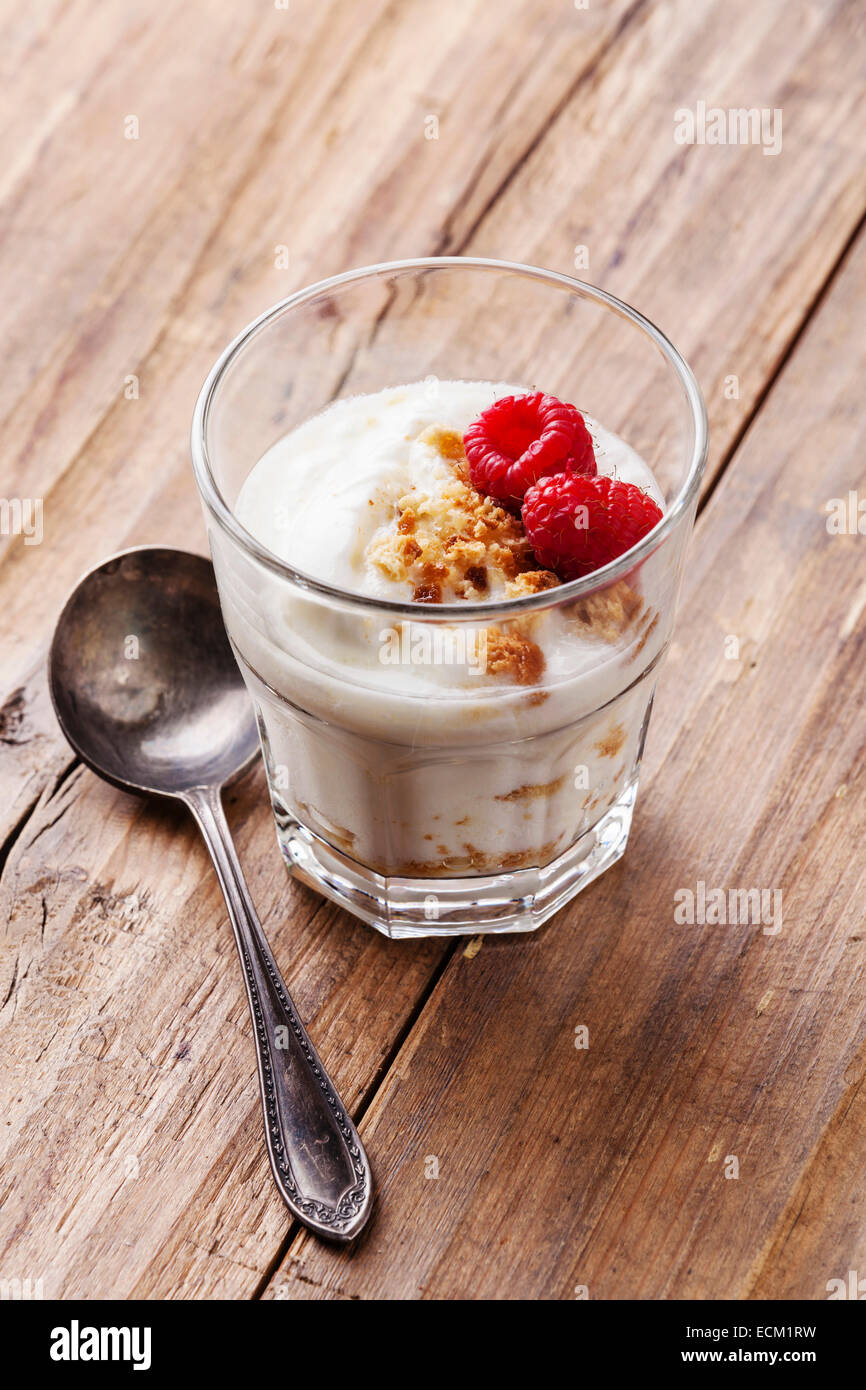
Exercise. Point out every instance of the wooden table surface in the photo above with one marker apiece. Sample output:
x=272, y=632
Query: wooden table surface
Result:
x=167, y=173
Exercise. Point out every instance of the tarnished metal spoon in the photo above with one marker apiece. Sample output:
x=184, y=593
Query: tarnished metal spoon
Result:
x=147, y=692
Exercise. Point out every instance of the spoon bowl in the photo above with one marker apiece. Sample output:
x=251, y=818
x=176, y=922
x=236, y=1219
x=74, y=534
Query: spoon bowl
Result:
x=143, y=679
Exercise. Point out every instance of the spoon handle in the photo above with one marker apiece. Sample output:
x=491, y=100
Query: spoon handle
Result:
x=317, y=1158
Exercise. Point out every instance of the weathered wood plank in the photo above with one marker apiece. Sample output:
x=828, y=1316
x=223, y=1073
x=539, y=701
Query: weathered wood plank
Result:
x=31, y=754
x=133, y=1127
x=613, y=1167
x=725, y=248
x=252, y=136
x=159, y=1185
x=99, y=230
x=822, y=1226
x=338, y=169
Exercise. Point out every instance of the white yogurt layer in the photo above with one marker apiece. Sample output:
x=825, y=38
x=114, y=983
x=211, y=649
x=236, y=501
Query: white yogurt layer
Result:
x=431, y=767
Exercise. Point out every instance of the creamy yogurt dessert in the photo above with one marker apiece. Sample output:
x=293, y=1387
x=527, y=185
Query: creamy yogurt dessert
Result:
x=329, y=497
x=429, y=746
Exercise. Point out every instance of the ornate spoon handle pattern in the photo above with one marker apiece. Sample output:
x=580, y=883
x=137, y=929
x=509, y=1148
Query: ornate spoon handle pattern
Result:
x=317, y=1158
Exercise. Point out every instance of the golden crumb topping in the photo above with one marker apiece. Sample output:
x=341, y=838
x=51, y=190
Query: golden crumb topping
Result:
x=531, y=791
x=611, y=743
x=607, y=614
x=453, y=543
x=514, y=655
x=531, y=582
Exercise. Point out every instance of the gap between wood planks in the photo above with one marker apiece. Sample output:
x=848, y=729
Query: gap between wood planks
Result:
x=444, y=245
x=783, y=359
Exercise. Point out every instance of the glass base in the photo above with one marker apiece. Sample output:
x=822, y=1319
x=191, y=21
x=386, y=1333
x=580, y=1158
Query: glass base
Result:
x=519, y=900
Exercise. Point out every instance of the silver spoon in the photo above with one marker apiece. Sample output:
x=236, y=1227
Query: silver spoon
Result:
x=147, y=692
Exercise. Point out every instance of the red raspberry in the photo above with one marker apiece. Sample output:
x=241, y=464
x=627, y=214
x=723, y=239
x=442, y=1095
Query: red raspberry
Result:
x=523, y=438
x=575, y=525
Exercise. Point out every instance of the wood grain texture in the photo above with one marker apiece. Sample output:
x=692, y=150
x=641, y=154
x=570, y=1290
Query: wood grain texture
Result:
x=611, y=1167
x=132, y=1113
x=133, y=1135
x=235, y=134
x=725, y=247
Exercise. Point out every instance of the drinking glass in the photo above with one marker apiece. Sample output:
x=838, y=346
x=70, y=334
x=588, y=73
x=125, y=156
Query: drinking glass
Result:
x=416, y=778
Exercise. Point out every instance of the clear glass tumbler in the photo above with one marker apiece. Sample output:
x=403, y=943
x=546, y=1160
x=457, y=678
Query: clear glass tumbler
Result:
x=461, y=767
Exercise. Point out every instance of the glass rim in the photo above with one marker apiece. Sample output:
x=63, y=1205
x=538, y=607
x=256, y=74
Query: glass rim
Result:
x=458, y=611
